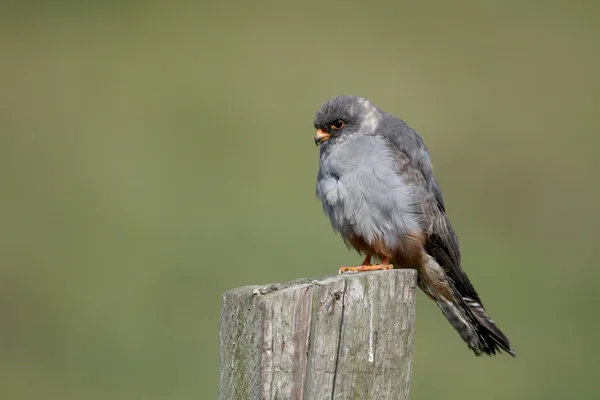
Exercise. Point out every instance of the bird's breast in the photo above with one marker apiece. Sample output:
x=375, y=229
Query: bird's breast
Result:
x=364, y=195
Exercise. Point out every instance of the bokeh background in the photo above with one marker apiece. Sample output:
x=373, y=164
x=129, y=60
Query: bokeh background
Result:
x=156, y=154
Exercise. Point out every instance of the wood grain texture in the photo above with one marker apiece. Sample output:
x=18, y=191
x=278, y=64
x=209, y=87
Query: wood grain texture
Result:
x=344, y=337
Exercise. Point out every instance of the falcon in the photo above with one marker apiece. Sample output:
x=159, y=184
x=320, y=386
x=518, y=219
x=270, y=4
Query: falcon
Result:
x=377, y=187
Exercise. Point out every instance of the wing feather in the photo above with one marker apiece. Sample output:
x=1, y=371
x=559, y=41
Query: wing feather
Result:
x=414, y=164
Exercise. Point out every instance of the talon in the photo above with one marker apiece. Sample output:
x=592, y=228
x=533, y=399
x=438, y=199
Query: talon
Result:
x=365, y=268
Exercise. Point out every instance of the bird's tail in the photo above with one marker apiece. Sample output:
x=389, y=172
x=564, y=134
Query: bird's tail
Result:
x=464, y=312
x=474, y=326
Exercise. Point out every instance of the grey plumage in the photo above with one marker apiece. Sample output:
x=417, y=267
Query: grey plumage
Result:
x=377, y=187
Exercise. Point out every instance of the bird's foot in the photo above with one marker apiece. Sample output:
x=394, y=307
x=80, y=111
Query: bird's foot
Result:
x=364, y=268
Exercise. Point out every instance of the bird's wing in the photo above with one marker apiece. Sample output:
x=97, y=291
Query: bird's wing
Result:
x=441, y=241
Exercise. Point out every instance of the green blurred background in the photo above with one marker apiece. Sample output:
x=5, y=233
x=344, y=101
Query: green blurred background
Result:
x=154, y=155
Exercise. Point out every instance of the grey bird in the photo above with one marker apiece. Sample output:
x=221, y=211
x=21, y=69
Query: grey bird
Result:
x=378, y=189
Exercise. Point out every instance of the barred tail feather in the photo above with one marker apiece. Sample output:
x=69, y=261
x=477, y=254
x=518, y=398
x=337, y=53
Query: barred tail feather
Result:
x=475, y=327
x=487, y=329
x=466, y=314
x=461, y=324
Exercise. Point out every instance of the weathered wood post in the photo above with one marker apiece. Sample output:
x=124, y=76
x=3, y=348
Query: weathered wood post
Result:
x=344, y=337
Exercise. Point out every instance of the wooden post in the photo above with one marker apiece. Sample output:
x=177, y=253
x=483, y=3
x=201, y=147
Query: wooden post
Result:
x=344, y=337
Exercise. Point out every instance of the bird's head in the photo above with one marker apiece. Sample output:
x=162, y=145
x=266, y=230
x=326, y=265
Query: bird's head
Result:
x=343, y=116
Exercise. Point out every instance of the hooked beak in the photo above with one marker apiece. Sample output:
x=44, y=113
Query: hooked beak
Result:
x=321, y=137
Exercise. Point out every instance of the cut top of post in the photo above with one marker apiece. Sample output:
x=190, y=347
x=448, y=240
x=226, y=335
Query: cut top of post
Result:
x=343, y=337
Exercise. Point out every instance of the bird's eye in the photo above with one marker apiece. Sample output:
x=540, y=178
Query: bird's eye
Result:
x=337, y=124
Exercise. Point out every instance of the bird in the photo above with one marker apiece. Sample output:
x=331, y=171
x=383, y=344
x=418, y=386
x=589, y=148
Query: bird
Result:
x=377, y=187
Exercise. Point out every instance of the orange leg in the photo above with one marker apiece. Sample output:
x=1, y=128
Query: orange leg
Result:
x=366, y=266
